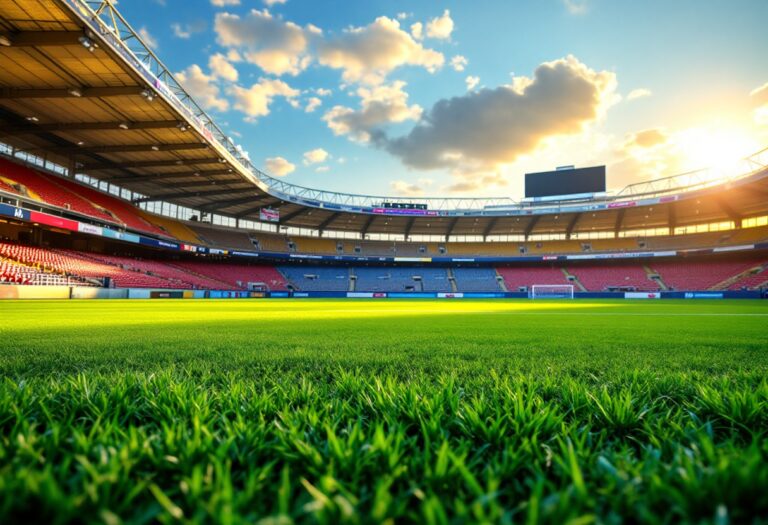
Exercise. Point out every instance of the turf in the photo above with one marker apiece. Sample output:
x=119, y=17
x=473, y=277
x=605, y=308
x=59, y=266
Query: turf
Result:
x=350, y=411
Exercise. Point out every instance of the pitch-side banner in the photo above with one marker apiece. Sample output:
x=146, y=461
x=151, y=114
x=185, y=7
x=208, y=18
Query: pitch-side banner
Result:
x=642, y=295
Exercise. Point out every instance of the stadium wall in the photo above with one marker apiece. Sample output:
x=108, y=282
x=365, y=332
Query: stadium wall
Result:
x=77, y=292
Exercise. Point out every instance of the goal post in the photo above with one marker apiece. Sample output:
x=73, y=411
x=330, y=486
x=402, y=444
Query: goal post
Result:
x=551, y=291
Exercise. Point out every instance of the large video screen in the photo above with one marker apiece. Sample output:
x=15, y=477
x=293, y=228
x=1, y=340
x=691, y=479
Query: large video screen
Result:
x=565, y=182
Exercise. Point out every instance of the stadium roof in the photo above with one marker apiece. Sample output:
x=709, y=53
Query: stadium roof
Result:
x=79, y=88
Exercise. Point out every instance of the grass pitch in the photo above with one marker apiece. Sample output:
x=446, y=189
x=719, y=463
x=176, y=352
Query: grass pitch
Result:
x=350, y=411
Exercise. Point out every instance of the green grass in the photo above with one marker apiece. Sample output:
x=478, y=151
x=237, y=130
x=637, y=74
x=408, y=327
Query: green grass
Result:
x=350, y=411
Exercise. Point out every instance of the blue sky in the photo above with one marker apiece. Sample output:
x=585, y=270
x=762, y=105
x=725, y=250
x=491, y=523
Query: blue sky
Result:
x=462, y=98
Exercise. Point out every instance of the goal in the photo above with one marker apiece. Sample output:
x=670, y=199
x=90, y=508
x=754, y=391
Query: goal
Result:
x=551, y=291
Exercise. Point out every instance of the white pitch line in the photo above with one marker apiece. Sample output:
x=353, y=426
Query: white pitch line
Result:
x=373, y=313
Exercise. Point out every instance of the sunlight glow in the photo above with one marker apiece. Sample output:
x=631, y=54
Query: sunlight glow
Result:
x=720, y=150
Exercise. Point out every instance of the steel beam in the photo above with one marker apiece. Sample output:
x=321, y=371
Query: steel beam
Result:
x=71, y=92
x=292, y=215
x=489, y=228
x=531, y=225
x=85, y=168
x=321, y=227
x=451, y=227
x=188, y=194
x=169, y=176
x=128, y=148
x=572, y=225
x=44, y=38
x=619, y=221
x=367, y=226
x=89, y=126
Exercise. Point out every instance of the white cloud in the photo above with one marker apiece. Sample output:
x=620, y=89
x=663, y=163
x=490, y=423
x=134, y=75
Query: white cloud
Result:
x=276, y=46
x=410, y=189
x=379, y=106
x=180, y=32
x=187, y=30
x=440, y=27
x=278, y=166
x=223, y=3
x=477, y=133
x=315, y=156
x=639, y=93
x=403, y=15
x=576, y=7
x=312, y=104
x=242, y=152
x=322, y=169
x=472, y=82
x=273, y=2
x=255, y=101
x=233, y=55
x=148, y=38
x=322, y=92
x=202, y=87
x=647, y=138
x=221, y=68
x=368, y=54
x=417, y=30
x=459, y=62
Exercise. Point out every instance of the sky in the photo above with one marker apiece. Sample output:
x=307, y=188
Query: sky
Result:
x=462, y=98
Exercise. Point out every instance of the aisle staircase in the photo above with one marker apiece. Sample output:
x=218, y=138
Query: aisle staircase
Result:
x=573, y=280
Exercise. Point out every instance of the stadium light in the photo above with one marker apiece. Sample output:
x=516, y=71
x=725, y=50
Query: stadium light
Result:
x=123, y=125
x=182, y=126
x=87, y=43
x=33, y=119
x=148, y=94
x=75, y=92
x=155, y=148
x=5, y=41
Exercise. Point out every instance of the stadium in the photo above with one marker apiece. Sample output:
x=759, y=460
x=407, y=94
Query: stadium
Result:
x=186, y=338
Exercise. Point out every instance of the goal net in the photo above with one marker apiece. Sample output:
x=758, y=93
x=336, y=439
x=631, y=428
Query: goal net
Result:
x=551, y=291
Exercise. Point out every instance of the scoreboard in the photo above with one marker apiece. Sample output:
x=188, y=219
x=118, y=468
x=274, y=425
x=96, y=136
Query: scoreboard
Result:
x=565, y=182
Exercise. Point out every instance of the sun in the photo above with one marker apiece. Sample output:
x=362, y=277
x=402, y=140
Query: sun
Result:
x=720, y=150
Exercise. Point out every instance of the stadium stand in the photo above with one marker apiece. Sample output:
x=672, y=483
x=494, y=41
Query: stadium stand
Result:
x=13, y=272
x=490, y=248
x=42, y=188
x=172, y=227
x=270, y=243
x=369, y=279
x=609, y=277
x=433, y=280
x=302, y=244
x=227, y=238
x=753, y=280
x=476, y=280
x=317, y=278
x=700, y=274
x=5, y=185
x=179, y=277
x=77, y=264
x=611, y=245
x=525, y=277
x=125, y=212
x=235, y=276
